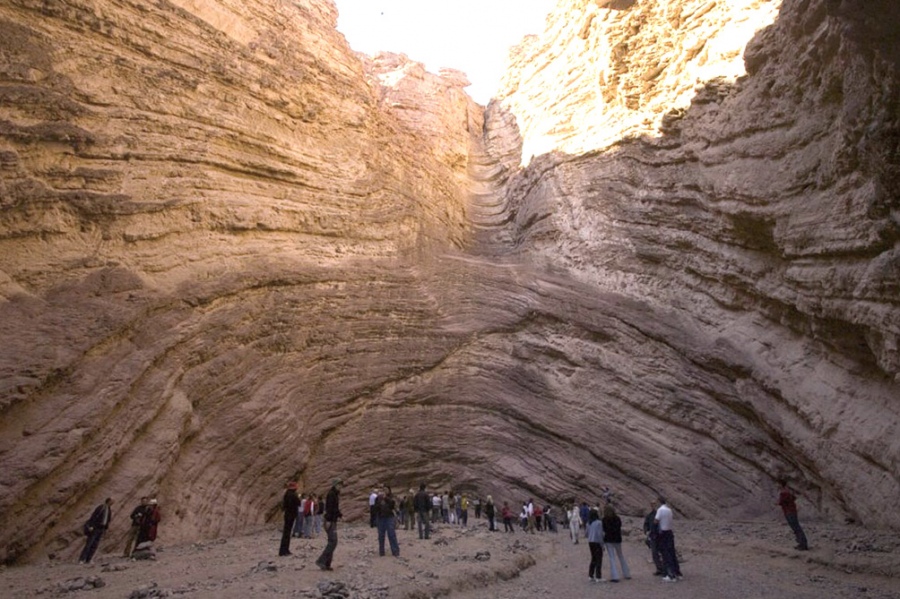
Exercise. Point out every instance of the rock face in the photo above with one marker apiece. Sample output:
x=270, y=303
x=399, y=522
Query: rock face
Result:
x=233, y=253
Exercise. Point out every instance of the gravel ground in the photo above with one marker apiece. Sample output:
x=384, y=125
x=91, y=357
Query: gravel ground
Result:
x=743, y=560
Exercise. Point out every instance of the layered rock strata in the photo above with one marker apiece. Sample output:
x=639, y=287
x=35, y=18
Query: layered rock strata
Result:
x=233, y=253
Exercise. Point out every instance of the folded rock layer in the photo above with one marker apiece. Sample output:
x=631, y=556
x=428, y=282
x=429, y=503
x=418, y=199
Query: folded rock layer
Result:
x=665, y=259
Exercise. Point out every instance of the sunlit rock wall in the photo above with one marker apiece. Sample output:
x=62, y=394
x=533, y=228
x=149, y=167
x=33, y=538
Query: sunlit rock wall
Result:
x=233, y=252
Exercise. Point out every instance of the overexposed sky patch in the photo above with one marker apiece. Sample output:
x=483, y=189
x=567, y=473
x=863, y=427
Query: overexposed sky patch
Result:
x=473, y=36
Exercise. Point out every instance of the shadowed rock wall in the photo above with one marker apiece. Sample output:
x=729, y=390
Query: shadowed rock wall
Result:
x=233, y=252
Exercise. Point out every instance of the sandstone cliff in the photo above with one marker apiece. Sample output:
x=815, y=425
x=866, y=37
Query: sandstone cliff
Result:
x=233, y=252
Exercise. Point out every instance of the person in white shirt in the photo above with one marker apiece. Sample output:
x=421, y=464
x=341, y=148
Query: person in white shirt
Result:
x=372, y=497
x=666, y=541
x=574, y=522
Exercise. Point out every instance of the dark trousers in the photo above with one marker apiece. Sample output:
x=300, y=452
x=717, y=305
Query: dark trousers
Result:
x=328, y=553
x=285, y=548
x=596, y=560
x=90, y=545
x=464, y=517
x=508, y=525
x=491, y=525
x=653, y=546
x=371, y=516
x=386, y=527
x=424, y=525
x=666, y=543
x=794, y=522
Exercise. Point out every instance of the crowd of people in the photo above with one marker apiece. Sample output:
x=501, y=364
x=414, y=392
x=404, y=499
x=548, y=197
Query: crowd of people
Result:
x=419, y=510
x=306, y=515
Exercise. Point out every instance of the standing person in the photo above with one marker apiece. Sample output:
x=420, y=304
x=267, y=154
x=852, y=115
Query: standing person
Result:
x=666, y=541
x=94, y=529
x=137, y=516
x=410, y=511
x=583, y=512
x=538, y=517
x=612, y=538
x=463, y=508
x=595, y=544
x=385, y=510
x=445, y=507
x=423, y=506
x=651, y=535
x=507, y=516
x=332, y=515
x=490, y=513
x=529, y=516
x=436, y=503
x=149, y=524
x=788, y=502
x=317, y=518
x=373, y=497
x=309, y=512
x=290, y=503
x=476, y=503
x=298, y=524
x=574, y=522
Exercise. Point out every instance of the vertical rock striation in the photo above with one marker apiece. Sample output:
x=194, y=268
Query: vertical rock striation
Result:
x=233, y=252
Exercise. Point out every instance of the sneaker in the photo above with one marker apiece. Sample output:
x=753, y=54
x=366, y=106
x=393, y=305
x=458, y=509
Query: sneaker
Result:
x=593, y=579
x=669, y=579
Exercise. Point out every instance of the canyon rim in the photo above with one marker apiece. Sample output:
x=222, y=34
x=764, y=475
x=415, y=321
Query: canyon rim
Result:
x=233, y=252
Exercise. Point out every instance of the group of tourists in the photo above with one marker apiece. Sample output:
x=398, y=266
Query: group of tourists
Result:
x=309, y=516
x=141, y=534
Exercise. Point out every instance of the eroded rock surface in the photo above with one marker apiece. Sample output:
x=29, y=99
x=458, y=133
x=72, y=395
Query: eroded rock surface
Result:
x=233, y=252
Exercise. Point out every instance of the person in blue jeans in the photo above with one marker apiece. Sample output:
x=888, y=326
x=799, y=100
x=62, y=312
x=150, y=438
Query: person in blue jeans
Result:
x=788, y=502
x=385, y=520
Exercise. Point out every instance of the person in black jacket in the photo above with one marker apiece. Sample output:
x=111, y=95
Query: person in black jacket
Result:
x=422, y=504
x=137, y=518
x=612, y=538
x=94, y=529
x=651, y=532
x=490, y=512
x=290, y=503
x=332, y=515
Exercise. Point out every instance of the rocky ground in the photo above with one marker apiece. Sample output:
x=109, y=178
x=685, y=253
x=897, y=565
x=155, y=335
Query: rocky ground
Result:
x=720, y=561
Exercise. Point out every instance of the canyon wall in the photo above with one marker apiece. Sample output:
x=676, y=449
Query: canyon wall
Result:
x=234, y=253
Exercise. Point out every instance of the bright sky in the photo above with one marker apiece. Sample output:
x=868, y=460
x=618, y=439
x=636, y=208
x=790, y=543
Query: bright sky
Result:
x=473, y=36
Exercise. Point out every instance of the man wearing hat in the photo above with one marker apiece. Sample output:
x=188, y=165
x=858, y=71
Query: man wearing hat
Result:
x=332, y=515
x=290, y=503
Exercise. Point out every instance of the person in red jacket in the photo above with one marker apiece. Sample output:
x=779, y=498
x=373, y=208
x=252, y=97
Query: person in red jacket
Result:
x=788, y=502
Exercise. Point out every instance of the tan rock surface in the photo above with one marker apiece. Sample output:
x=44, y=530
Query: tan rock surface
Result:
x=233, y=252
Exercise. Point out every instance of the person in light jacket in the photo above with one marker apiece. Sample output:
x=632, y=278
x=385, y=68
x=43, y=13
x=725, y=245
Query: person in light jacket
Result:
x=595, y=544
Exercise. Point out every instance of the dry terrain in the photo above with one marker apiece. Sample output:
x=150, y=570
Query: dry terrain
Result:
x=721, y=560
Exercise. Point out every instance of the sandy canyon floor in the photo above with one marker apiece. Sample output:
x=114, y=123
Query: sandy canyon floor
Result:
x=721, y=560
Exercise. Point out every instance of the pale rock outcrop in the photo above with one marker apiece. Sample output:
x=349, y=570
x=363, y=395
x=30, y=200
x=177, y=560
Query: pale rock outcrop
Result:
x=233, y=253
